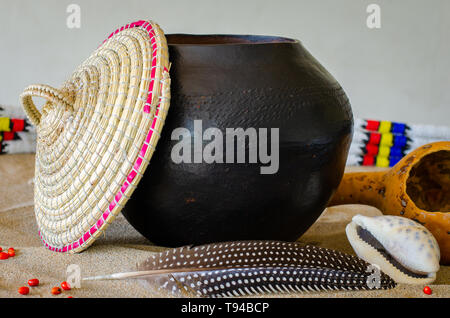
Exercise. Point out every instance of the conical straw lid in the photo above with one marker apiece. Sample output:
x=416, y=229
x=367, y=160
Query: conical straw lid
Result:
x=96, y=135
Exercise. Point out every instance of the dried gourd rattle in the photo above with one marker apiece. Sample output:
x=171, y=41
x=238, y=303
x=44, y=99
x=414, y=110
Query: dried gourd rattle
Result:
x=417, y=187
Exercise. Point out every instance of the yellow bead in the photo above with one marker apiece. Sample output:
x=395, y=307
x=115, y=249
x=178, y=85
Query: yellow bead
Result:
x=384, y=151
x=385, y=127
x=382, y=162
x=387, y=139
x=5, y=123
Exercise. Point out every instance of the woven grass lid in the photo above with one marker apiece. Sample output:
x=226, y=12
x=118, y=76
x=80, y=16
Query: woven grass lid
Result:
x=96, y=135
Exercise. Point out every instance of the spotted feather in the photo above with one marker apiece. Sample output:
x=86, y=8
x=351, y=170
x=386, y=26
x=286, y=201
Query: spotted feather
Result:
x=252, y=267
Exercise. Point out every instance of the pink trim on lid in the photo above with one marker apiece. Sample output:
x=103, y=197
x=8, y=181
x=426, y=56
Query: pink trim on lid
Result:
x=143, y=150
x=138, y=163
x=131, y=176
x=149, y=136
x=112, y=205
x=99, y=223
x=124, y=187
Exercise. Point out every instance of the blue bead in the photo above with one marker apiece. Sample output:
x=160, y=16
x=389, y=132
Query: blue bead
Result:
x=396, y=152
x=393, y=160
x=400, y=141
x=398, y=128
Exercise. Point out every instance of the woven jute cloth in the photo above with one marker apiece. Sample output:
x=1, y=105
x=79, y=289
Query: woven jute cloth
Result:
x=97, y=133
x=122, y=246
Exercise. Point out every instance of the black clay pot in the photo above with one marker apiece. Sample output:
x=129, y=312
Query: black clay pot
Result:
x=230, y=81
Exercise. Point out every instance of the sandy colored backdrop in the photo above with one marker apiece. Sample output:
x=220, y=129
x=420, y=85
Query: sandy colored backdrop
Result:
x=121, y=247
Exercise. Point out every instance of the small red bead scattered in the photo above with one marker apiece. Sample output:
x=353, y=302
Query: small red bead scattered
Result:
x=24, y=290
x=11, y=252
x=1, y=249
x=70, y=297
x=65, y=286
x=4, y=255
x=56, y=290
x=427, y=290
x=33, y=282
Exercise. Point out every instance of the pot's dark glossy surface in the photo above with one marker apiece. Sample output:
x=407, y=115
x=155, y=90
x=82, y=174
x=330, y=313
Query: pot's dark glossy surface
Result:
x=245, y=81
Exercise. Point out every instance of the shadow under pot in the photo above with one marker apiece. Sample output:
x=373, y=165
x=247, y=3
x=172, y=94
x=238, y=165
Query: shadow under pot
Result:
x=209, y=181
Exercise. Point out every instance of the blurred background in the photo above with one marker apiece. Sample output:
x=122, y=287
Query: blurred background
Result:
x=398, y=72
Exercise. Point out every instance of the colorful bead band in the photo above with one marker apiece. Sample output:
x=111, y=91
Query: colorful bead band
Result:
x=12, y=124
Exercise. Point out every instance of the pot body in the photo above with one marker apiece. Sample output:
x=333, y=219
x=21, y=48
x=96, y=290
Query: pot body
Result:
x=246, y=82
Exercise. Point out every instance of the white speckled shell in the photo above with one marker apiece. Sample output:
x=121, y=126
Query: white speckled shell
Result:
x=410, y=243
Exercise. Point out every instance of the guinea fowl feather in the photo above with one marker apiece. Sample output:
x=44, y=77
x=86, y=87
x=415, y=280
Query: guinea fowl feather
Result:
x=252, y=267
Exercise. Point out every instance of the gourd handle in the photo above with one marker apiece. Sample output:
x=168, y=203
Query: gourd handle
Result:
x=52, y=95
x=367, y=188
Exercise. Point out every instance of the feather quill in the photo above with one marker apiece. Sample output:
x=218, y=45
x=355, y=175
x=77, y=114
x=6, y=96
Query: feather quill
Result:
x=245, y=268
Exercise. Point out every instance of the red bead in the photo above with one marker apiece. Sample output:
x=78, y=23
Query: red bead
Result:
x=56, y=290
x=8, y=135
x=65, y=286
x=368, y=160
x=33, y=282
x=372, y=150
x=11, y=252
x=18, y=125
x=4, y=255
x=24, y=290
x=70, y=297
x=374, y=138
x=372, y=125
x=427, y=290
x=1, y=249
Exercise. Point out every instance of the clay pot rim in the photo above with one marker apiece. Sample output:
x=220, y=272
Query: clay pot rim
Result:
x=185, y=39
